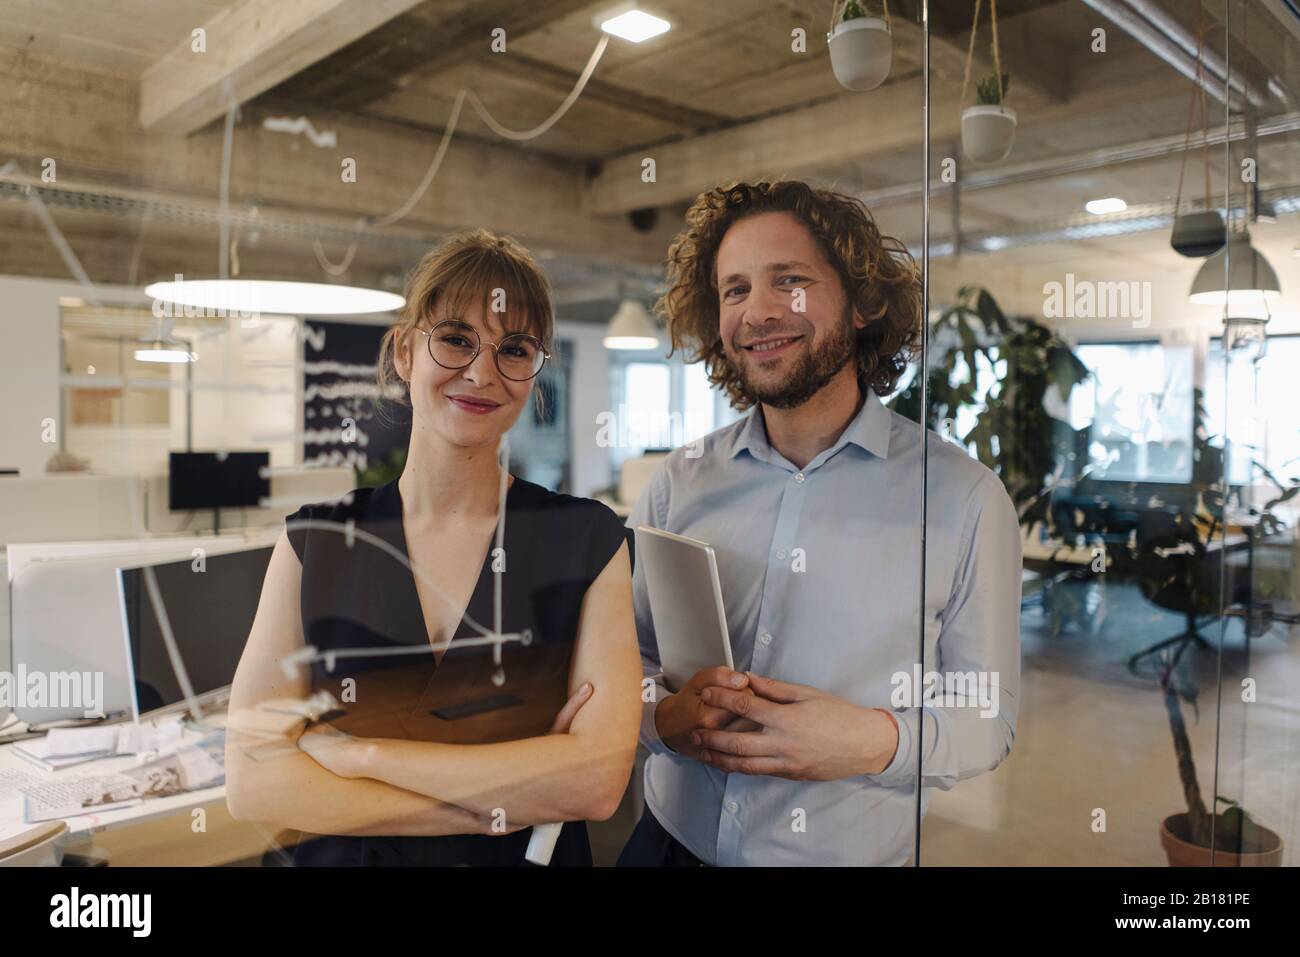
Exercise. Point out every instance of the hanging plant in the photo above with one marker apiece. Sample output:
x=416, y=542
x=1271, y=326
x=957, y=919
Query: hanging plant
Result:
x=862, y=47
x=1199, y=233
x=988, y=128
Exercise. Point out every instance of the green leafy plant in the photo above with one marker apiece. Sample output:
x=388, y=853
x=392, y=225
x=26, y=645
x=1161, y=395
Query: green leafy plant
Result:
x=1013, y=434
x=987, y=93
x=852, y=11
x=381, y=472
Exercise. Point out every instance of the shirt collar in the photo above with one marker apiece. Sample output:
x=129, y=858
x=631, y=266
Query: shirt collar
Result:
x=868, y=429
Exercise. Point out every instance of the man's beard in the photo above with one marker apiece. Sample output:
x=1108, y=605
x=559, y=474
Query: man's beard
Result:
x=818, y=367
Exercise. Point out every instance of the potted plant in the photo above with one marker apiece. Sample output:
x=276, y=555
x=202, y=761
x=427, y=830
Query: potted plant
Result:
x=862, y=47
x=989, y=127
x=1173, y=570
x=1012, y=432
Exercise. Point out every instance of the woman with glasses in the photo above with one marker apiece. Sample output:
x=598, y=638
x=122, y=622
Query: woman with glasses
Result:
x=480, y=677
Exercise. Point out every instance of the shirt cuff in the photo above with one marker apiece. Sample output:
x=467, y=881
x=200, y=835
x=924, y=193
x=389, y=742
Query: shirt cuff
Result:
x=900, y=770
x=649, y=732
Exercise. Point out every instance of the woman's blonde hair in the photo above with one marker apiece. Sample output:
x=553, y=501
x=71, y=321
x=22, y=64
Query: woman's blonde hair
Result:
x=497, y=270
x=880, y=278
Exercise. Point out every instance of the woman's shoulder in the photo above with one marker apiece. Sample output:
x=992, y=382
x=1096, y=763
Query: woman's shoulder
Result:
x=532, y=496
x=352, y=504
x=327, y=514
x=581, y=524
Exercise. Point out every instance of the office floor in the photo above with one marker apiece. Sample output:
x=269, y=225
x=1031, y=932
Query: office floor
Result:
x=1090, y=736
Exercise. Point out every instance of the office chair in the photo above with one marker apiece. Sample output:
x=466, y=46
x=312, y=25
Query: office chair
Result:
x=1174, y=570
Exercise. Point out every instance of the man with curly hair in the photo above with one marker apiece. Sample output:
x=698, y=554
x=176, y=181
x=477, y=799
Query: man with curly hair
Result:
x=813, y=752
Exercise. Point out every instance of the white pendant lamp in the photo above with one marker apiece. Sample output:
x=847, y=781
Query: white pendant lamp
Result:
x=165, y=350
x=631, y=328
x=253, y=297
x=1245, y=283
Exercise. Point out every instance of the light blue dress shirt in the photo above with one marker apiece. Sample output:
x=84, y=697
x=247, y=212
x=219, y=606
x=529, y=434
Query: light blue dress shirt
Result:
x=820, y=578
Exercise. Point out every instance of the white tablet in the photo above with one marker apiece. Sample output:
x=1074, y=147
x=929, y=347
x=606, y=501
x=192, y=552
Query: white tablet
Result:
x=690, y=621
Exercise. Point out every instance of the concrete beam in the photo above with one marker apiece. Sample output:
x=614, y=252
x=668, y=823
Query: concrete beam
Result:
x=249, y=48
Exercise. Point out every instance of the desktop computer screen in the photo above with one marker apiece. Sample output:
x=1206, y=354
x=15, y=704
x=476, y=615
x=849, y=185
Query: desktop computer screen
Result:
x=208, y=480
x=210, y=612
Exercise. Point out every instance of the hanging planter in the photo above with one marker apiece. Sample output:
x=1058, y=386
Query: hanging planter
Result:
x=1201, y=233
x=988, y=129
x=862, y=47
x=1198, y=234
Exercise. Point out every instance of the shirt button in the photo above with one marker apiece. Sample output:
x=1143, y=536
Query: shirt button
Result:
x=780, y=553
x=798, y=477
x=765, y=638
x=733, y=807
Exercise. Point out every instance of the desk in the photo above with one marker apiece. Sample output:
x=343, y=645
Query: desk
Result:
x=140, y=829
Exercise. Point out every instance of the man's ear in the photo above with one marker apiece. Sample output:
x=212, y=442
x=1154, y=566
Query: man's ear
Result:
x=858, y=321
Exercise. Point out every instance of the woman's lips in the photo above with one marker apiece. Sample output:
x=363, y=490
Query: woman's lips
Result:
x=473, y=406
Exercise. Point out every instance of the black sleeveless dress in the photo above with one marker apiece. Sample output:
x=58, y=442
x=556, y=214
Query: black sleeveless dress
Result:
x=362, y=614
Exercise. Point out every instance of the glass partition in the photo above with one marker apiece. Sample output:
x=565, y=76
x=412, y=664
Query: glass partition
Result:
x=1251, y=372
x=1099, y=202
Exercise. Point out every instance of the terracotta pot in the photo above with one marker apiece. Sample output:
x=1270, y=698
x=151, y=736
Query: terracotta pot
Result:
x=862, y=50
x=1183, y=853
x=987, y=133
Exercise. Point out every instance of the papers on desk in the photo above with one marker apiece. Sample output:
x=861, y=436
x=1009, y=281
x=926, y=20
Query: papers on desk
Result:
x=65, y=747
x=171, y=758
x=37, y=752
x=60, y=798
x=193, y=766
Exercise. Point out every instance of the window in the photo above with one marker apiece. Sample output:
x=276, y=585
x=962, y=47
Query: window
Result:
x=1261, y=401
x=1138, y=403
x=701, y=402
x=660, y=404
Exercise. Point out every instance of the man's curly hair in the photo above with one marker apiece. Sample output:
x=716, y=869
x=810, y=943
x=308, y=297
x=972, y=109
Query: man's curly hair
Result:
x=880, y=278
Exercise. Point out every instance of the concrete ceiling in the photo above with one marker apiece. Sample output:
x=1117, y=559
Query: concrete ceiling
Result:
x=133, y=118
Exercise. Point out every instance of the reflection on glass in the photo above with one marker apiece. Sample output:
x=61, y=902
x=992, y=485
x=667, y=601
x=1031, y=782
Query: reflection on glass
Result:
x=1262, y=400
x=1138, y=405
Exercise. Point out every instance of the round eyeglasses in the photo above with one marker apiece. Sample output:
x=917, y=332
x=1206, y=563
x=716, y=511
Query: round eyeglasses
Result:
x=454, y=344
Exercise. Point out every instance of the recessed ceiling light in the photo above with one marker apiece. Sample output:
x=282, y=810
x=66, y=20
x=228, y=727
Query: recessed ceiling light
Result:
x=633, y=24
x=1111, y=204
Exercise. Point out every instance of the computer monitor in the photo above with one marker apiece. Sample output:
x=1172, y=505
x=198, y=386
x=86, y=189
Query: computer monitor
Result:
x=210, y=613
x=217, y=480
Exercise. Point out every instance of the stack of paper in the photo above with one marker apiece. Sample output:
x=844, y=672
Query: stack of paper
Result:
x=65, y=747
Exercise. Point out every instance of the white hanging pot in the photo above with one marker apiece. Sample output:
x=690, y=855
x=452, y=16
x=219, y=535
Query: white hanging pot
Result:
x=862, y=50
x=987, y=133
